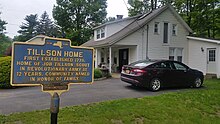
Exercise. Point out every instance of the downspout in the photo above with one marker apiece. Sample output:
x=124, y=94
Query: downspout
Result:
x=147, y=43
x=142, y=51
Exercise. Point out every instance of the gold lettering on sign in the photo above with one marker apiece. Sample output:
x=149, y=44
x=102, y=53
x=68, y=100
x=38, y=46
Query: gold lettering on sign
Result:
x=40, y=65
x=36, y=52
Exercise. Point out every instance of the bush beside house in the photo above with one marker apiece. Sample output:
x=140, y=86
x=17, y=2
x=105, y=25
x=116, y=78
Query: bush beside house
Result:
x=97, y=73
x=5, y=71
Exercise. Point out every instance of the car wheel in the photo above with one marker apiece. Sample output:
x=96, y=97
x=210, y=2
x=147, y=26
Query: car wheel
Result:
x=155, y=84
x=197, y=82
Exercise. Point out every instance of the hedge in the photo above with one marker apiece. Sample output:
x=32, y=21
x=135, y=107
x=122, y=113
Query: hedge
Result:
x=5, y=71
x=97, y=73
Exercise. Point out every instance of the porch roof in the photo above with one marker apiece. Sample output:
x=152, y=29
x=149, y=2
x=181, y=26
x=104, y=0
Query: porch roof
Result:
x=138, y=23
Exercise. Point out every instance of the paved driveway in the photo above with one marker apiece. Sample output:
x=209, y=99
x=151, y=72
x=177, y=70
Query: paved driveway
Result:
x=31, y=98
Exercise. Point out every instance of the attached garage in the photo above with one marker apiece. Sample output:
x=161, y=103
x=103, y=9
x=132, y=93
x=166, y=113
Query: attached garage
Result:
x=204, y=55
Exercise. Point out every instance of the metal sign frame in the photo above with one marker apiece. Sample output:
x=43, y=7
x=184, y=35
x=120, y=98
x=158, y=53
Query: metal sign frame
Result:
x=44, y=40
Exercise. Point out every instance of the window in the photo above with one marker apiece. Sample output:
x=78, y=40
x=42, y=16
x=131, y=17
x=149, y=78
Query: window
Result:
x=179, y=54
x=156, y=28
x=165, y=33
x=174, y=29
x=171, y=54
x=176, y=54
x=163, y=65
x=179, y=66
x=212, y=55
x=100, y=33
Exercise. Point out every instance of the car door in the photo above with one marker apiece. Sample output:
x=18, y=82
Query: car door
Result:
x=169, y=73
x=164, y=72
x=180, y=74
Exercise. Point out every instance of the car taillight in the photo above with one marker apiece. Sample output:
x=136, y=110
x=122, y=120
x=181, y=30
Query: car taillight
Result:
x=138, y=72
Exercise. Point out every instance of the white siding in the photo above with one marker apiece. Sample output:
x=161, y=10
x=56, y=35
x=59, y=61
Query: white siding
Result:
x=132, y=54
x=135, y=39
x=158, y=50
x=198, y=59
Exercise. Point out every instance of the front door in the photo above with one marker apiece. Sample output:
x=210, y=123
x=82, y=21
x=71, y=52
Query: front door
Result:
x=123, y=58
x=211, y=61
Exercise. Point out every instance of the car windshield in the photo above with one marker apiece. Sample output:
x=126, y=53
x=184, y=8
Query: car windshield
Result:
x=142, y=63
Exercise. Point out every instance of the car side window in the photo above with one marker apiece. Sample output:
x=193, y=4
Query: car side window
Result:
x=163, y=65
x=179, y=66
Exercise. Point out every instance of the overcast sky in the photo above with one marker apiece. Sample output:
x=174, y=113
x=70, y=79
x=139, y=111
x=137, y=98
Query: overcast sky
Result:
x=14, y=11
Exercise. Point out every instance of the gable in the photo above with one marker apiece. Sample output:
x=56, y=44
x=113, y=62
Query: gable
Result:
x=138, y=24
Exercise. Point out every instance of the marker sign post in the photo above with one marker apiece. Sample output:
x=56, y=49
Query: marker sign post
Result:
x=54, y=65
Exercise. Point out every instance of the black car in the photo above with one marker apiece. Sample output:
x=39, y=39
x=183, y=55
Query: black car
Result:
x=155, y=74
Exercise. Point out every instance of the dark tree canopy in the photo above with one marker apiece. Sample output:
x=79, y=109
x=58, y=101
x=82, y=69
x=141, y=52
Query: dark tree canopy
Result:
x=77, y=18
x=5, y=41
x=2, y=26
x=34, y=26
x=29, y=28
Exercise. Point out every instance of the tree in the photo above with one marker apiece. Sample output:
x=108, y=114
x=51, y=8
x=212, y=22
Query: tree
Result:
x=77, y=18
x=29, y=29
x=5, y=41
x=2, y=26
x=138, y=7
x=109, y=19
x=47, y=27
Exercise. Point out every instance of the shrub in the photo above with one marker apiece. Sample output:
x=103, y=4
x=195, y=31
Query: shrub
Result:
x=5, y=71
x=97, y=73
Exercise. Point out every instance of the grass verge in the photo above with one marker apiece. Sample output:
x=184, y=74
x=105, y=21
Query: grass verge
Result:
x=192, y=106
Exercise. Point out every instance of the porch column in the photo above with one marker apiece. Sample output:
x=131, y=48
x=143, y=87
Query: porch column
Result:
x=218, y=62
x=96, y=58
x=110, y=59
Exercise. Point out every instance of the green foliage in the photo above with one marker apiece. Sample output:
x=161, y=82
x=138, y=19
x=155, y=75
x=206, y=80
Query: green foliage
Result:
x=47, y=27
x=5, y=43
x=192, y=106
x=2, y=26
x=29, y=28
x=77, y=18
x=138, y=7
x=97, y=73
x=33, y=27
x=5, y=65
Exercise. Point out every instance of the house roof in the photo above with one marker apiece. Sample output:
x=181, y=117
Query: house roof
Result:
x=204, y=39
x=138, y=23
x=116, y=21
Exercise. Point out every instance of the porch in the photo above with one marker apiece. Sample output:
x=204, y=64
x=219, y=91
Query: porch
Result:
x=114, y=57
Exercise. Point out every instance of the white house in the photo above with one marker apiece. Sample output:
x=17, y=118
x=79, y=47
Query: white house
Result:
x=159, y=34
x=204, y=55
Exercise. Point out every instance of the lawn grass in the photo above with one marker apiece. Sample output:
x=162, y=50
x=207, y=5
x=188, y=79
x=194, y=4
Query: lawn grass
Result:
x=200, y=106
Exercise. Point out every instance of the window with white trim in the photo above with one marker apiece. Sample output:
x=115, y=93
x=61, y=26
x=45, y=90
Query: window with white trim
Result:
x=156, y=28
x=171, y=54
x=176, y=54
x=179, y=54
x=174, y=29
x=212, y=55
x=165, y=33
x=100, y=33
